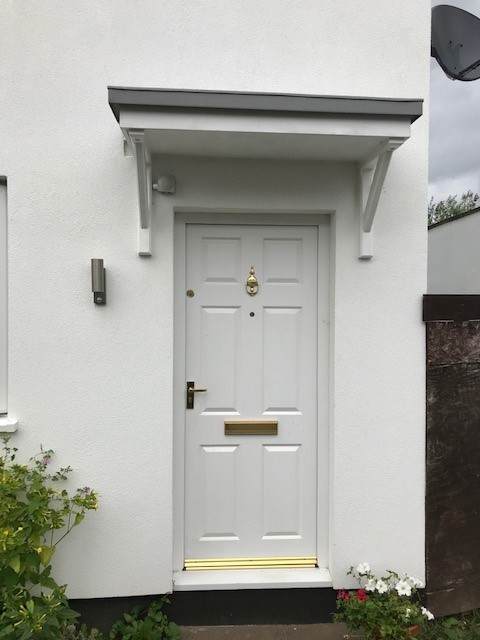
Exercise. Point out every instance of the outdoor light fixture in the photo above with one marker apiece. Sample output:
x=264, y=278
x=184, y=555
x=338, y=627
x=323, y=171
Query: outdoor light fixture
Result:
x=98, y=281
x=166, y=184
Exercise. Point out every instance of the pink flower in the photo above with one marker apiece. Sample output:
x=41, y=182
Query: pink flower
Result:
x=343, y=595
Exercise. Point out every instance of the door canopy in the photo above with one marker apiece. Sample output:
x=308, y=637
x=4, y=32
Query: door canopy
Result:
x=364, y=131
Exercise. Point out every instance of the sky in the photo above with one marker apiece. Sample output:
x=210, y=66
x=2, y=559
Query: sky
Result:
x=454, y=127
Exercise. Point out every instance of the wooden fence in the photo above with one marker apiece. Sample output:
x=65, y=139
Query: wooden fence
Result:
x=453, y=453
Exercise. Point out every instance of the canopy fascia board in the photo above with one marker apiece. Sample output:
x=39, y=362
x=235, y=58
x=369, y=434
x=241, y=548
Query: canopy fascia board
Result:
x=368, y=130
x=261, y=123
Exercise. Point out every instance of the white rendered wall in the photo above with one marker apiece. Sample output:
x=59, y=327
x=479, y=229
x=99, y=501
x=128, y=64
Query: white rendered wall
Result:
x=454, y=256
x=95, y=383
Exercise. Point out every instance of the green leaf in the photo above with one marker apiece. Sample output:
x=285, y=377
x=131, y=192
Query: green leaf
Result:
x=7, y=632
x=32, y=559
x=8, y=578
x=46, y=555
x=15, y=564
x=48, y=582
x=78, y=518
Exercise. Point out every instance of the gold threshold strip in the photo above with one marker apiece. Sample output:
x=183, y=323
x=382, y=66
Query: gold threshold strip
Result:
x=300, y=562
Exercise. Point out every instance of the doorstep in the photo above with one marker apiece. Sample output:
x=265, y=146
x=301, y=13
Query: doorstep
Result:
x=325, y=631
x=251, y=579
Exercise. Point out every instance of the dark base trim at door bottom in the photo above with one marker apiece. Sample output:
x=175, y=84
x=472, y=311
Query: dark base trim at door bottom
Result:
x=202, y=608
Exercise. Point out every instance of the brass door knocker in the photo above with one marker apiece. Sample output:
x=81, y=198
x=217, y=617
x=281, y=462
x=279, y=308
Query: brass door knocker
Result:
x=252, y=283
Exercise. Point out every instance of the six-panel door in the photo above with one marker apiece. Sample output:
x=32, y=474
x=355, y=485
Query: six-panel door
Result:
x=251, y=496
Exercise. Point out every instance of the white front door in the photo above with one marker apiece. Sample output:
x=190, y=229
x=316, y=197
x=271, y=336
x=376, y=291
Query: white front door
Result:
x=251, y=496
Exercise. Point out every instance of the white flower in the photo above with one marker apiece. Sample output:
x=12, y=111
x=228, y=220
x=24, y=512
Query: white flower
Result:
x=381, y=586
x=370, y=584
x=414, y=582
x=407, y=613
x=363, y=568
x=403, y=588
x=428, y=614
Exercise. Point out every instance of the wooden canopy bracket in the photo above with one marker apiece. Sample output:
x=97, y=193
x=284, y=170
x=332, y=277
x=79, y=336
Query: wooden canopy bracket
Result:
x=136, y=141
x=372, y=174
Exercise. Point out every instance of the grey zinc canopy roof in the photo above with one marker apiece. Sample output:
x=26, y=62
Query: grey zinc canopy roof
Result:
x=262, y=125
x=181, y=99
x=231, y=124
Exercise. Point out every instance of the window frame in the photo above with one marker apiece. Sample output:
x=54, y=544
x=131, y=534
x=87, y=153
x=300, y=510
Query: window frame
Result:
x=3, y=298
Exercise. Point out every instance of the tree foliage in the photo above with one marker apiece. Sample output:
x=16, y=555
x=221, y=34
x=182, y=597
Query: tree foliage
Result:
x=452, y=206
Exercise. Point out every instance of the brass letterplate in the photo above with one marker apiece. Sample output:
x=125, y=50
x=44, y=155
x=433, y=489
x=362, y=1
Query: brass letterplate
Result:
x=251, y=427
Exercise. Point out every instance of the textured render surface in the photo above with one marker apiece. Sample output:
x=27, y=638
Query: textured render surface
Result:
x=453, y=256
x=96, y=383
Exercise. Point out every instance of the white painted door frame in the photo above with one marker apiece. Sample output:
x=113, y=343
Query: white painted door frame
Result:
x=321, y=222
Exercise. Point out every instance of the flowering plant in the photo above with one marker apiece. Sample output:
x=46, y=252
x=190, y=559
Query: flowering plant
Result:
x=36, y=513
x=386, y=608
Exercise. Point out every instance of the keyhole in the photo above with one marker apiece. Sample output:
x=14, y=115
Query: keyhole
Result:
x=251, y=314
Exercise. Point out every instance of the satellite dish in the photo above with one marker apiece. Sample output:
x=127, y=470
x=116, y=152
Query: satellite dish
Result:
x=456, y=42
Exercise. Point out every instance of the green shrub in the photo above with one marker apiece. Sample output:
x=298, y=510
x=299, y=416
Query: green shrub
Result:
x=460, y=627
x=36, y=513
x=72, y=632
x=153, y=625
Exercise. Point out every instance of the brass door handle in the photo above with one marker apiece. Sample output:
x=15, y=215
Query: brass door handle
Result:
x=191, y=393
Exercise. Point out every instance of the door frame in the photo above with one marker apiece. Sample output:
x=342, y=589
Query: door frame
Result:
x=183, y=217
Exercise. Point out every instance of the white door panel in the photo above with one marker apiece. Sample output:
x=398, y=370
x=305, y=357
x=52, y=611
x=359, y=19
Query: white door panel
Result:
x=250, y=496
